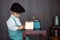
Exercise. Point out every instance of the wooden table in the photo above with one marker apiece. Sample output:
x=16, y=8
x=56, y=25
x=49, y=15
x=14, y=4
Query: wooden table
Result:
x=34, y=32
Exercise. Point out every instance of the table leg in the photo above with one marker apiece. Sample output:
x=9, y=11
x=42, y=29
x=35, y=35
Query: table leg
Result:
x=24, y=36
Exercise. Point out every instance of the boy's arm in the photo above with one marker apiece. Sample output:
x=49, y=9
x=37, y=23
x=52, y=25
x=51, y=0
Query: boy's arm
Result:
x=21, y=27
x=11, y=25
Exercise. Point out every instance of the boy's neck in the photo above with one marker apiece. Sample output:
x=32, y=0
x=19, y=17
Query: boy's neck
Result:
x=14, y=15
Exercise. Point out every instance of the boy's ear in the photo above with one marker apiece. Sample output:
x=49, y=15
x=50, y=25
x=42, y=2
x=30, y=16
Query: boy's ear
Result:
x=12, y=12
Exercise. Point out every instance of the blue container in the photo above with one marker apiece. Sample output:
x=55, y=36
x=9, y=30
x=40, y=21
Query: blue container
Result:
x=37, y=25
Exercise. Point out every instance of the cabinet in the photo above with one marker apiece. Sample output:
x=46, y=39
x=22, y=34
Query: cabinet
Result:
x=55, y=33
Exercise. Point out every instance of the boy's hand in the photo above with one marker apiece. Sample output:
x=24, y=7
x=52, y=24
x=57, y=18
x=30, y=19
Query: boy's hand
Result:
x=21, y=27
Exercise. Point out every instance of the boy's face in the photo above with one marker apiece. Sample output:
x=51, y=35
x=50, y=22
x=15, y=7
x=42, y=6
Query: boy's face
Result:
x=16, y=14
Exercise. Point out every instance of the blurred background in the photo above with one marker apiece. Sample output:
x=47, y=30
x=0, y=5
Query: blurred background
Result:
x=44, y=10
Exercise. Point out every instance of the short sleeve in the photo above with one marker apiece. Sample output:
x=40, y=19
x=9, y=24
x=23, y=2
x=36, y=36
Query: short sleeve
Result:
x=11, y=25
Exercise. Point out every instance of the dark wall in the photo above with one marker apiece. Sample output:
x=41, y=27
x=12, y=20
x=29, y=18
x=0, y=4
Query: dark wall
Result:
x=58, y=8
x=45, y=10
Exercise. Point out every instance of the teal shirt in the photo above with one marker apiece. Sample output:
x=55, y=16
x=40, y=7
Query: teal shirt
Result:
x=16, y=35
x=13, y=33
